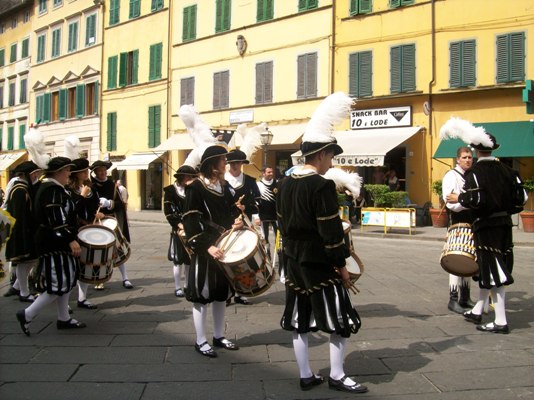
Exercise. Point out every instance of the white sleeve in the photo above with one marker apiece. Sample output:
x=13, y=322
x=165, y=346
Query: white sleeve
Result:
x=451, y=184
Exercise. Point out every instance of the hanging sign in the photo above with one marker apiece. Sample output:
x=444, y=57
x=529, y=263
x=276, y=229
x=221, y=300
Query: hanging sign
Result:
x=392, y=117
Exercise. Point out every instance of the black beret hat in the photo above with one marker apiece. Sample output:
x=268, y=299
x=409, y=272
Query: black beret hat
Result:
x=57, y=163
x=101, y=163
x=236, y=155
x=26, y=167
x=80, y=164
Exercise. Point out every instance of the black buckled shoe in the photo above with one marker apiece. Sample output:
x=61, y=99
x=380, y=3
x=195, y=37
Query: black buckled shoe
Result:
x=474, y=318
x=27, y=299
x=208, y=352
x=242, y=300
x=311, y=382
x=70, y=324
x=342, y=386
x=12, y=292
x=224, y=343
x=87, y=305
x=494, y=328
x=126, y=284
x=24, y=325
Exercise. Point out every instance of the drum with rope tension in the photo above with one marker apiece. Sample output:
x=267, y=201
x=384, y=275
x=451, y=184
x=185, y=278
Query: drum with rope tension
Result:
x=97, y=244
x=458, y=256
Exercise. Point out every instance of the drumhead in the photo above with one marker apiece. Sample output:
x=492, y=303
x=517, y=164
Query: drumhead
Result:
x=109, y=222
x=346, y=226
x=238, y=245
x=352, y=266
x=460, y=264
x=96, y=235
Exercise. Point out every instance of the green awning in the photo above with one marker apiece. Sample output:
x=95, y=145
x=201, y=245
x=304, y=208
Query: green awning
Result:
x=516, y=140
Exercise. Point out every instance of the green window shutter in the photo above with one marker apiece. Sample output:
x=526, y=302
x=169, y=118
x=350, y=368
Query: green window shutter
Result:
x=469, y=63
x=156, y=5
x=90, y=30
x=151, y=126
x=406, y=2
x=189, y=29
x=353, y=8
x=56, y=41
x=41, y=42
x=366, y=6
x=111, y=131
x=10, y=137
x=395, y=69
x=154, y=126
x=227, y=14
x=62, y=112
x=114, y=12
x=455, y=70
x=46, y=107
x=25, y=48
x=135, y=66
x=112, y=72
x=218, y=16
x=2, y=57
x=135, y=9
x=13, y=56
x=265, y=10
x=80, y=101
x=222, y=13
x=123, y=68
x=96, y=98
x=353, y=74
x=408, y=68
x=394, y=3
x=365, y=74
x=73, y=37
x=517, y=56
x=155, y=61
x=22, y=132
x=38, y=108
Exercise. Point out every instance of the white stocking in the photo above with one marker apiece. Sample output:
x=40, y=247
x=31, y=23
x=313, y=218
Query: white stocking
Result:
x=200, y=312
x=498, y=295
x=482, y=298
x=124, y=274
x=82, y=291
x=23, y=270
x=63, y=307
x=300, y=347
x=218, y=309
x=177, y=272
x=40, y=303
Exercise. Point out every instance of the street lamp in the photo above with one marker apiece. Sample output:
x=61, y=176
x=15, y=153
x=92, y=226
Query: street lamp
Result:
x=266, y=138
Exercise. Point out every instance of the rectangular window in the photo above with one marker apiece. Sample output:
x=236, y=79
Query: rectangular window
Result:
x=361, y=7
x=221, y=90
x=12, y=90
x=1, y=96
x=187, y=91
x=25, y=48
x=307, y=5
x=57, y=3
x=14, y=22
x=23, y=91
x=41, y=48
x=46, y=107
x=2, y=57
x=156, y=5
x=39, y=100
x=265, y=10
x=155, y=61
x=54, y=106
x=112, y=71
x=222, y=15
x=264, y=82
x=114, y=12
x=91, y=98
x=13, y=55
x=56, y=43
x=154, y=126
x=80, y=101
x=360, y=74
x=43, y=6
x=307, y=76
x=189, y=28
x=111, y=131
x=73, y=37
x=71, y=102
x=90, y=30
x=22, y=132
x=26, y=16
x=62, y=106
x=462, y=64
x=400, y=3
x=135, y=8
x=10, y=137
x=511, y=57
x=128, y=68
x=402, y=68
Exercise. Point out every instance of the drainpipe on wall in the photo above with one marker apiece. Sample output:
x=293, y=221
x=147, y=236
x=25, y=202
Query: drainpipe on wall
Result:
x=431, y=84
x=102, y=12
x=333, y=49
x=169, y=91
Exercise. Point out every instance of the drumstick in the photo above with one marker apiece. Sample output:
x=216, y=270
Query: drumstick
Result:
x=97, y=211
x=231, y=231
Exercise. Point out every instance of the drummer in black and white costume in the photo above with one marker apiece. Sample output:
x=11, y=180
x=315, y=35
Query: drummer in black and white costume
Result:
x=317, y=297
x=267, y=202
x=173, y=208
x=453, y=182
x=492, y=191
x=57, y=247
x=210, y=210
x=111, y=203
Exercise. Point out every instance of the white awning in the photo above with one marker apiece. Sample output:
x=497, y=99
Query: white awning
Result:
x=138, y=160
x=366, y=147
x=286, y=134
x=6, y=159
x=178, y=141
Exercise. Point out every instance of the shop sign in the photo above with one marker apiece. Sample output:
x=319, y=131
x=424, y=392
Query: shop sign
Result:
x=358, y=161
x=238, y=117
x=381, y=118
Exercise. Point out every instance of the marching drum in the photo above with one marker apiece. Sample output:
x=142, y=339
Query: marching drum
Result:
x=354, y=266
x=97, y=247
x=245, y=262
x=458, y=256
x=123, y=250
x=347, y=230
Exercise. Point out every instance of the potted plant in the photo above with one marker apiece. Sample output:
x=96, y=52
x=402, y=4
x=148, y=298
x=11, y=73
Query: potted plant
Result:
x=438, y=215
x=527, y=216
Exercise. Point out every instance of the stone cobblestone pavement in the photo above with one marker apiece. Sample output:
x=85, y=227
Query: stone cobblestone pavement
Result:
x=139, y=343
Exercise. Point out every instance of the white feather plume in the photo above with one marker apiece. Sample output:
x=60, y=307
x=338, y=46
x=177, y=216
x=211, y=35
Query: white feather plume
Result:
x=199, y=130
x=34, y=141
x=72, y=147
x=345, y=180
x=193, y=158
x=457, y=128
x=251, y=138
x=331, y=112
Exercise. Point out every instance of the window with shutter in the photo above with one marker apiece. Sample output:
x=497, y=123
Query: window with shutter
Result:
x=123, y=69
x=10, y=137
x=187, y=91
x=90, y=30
x=11, y=99
x=264, y=82
x=221, y=90
x=265, y=10
x=307, y=76
x=56, y=43
x=80, y=101
x=13, y=56
x=62, y=104
x=399, y=3
x=360, y=74
x=112, y=72
x=114, y=12
x=73, y=37
x=462, y=64
x=41, y=43
x=511, y=57
x=71, y=102
x=2, y=57
x=156, y=5
x=25, y=48
x=222, y=15
x=154, y=126
x=361, y=7
x=135, y=9
x=402, y=68
x=46, y=107
x=189, y=28
x=54, y=106
x=23, y=91
x=111, y=131
x=155, y=61
x=305, y=5
x=22, y=132
x=39, y=100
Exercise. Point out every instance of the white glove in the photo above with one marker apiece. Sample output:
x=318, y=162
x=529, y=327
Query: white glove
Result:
x=105, y=203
